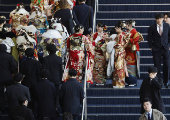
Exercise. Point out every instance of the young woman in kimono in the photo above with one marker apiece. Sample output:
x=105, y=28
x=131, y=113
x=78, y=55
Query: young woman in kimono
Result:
x=122, y=40
x=77, y=44
x=99, y=70
x=132, y=54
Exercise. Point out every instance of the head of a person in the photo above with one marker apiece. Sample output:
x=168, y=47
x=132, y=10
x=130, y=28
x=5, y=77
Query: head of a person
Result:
x=113, y=31
x=22, y=100
x=3, y=48
x=44, y=73
x=130, y=24
x=147, y=105
x=79, y=29
x=63, y=4
x=1, y=21
x=80, y=1
x=4, y=19
x=29, y=52
x=18, y=77
x=7, y=27
x=159, y=18
x=119, y=26
x=67, y=116
x=20, y=5
x=100, y=27
x=152, y=71
x=24, y=20
x=51, y=48
x=72, y=73
x=167, y=18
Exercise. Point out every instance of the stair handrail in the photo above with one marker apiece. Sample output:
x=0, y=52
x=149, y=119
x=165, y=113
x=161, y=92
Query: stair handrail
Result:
x=94, y=16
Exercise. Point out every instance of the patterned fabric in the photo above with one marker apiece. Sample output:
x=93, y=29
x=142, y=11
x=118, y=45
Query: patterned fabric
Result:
x=99, y=70
x=76, y=45
x=131, y=56
x=119, y=62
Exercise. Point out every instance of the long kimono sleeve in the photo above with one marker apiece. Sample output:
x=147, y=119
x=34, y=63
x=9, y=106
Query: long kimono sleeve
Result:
x=134, y=37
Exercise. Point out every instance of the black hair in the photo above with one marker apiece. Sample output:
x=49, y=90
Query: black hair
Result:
x=168, y=14
x=159, y=15
x=51, y=48
x=21, y=100
x=147, y=100
x=78, y=27
x=44, y=73
x=1, y=21
x=81, y=0
x=72, y=72
x=6, y=26
x=46, y=118
x=119, y=24
x=101, y=24
x=67, y=116
x=18, y=77
x=3, y=48
x=113, y=31
x=29, y=52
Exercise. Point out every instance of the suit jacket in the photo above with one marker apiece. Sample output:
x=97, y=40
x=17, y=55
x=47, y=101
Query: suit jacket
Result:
x=151, y=90
x=22, y=111
x=156, y=41
x=14, y=92
x=71, y=96
x=82, y=12
x=45, y=95
x=30, y=68
x=8, y=66
x=54, y=64
x=157, y=115
x=65, y=15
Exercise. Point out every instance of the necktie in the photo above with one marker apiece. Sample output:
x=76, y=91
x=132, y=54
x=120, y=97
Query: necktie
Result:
x=160, y=30
x=149, y=118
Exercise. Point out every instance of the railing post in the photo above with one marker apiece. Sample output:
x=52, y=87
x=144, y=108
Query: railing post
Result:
x=94, y=16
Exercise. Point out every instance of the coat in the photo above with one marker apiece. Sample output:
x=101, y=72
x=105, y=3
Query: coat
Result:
x=156, y=41
x=65, y=15
x=22, y=111
x=54, y=64
x=45, y=95
x=151, y=90
x=14, y=92
x=71, y=96
x=157, y=115
x=30, y=68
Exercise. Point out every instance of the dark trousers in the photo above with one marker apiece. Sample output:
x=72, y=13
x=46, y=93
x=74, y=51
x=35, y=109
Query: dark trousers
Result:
x=162, y=52
x=75, y=117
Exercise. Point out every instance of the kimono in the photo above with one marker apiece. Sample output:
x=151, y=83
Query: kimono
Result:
x=132, y=58
x=119, y=60
x=99, y=70
x=25, y=39
x=77, y=44
x=52, y=36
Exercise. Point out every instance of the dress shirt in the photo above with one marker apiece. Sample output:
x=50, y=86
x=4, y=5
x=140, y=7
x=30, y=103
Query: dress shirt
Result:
x=149, y=113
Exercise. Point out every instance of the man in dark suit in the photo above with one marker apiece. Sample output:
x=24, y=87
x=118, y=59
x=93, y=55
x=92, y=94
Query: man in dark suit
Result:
x=54, y=64
x=15, y=91
x=71, y=95
x=8, y=66
x=45, y=95
x=22, y=110
x=158, y=40
x=150, y=88
x=84, y=15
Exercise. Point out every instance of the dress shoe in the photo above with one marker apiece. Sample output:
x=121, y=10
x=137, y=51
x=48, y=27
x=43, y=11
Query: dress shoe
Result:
x=166, y=85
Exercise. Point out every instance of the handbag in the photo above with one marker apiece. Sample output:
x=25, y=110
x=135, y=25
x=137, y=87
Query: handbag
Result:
x=71, y=23
x=133, y=47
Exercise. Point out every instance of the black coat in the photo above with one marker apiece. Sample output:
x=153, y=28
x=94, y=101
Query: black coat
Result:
x=45, y=95
x=65, y=15
x=155, y=41
x=22, y=111
x=30, y=68
x=71, y=96
x=54, y=64
x=151, y=90
x=82, y=13
x=14, y=92
x=8, y=66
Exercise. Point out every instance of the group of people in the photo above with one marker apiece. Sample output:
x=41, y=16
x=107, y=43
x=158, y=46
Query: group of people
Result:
x=45, y=52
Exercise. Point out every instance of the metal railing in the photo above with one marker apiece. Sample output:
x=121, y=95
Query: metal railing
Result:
x=94, y=16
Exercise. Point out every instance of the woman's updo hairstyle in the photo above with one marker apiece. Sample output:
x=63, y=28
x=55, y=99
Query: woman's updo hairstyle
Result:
x=78, y=27
x=131, y=22
x=119, y=24
x=101, y=24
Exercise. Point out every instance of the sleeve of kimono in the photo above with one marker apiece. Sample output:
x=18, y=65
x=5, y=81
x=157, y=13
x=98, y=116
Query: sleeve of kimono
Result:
x=89, y=45
x=135, y=38
x=158, y=82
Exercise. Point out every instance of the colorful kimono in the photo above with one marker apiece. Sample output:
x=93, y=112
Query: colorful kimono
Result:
x=76, y=46
x=132, y=58
x=119, y=60
x=99, y=70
